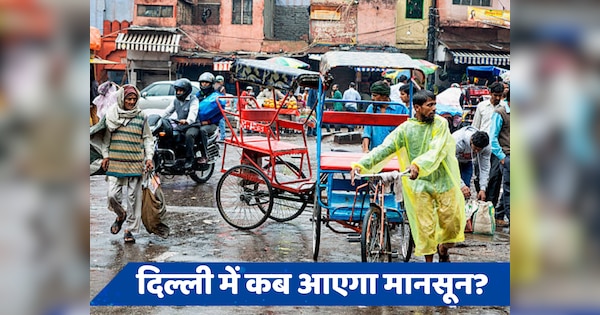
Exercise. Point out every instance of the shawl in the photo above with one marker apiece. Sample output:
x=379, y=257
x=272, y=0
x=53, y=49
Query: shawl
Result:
x=116, y=115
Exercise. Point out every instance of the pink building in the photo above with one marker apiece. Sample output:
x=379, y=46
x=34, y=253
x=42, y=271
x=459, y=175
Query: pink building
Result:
x=472, y=33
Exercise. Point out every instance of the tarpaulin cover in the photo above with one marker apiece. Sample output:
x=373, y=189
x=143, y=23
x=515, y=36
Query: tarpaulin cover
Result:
x=484, y=70
x=436, y=191
x=265, y=73
x=379, y=60
x=448, y=110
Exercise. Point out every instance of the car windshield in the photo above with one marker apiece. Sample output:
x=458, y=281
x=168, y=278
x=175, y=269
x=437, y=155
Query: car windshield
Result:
x=159, y=90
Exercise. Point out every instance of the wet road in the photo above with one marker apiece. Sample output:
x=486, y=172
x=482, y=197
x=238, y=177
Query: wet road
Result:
x=198, y=234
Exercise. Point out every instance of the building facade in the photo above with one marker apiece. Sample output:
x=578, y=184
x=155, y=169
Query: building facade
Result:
x=168, y=39
x=471, y=33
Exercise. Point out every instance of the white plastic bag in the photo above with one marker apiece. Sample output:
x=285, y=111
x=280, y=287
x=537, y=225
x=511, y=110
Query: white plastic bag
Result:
x=483, y=218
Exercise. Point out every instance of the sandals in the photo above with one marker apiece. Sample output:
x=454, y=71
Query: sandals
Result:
x=443, y=258
x=116, y=226
x=121, y=215
x=128, y=237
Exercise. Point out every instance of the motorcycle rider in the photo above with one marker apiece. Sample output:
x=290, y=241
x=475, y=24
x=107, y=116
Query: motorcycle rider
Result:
x=209, y=113
x=185, y=105
x=206, y=81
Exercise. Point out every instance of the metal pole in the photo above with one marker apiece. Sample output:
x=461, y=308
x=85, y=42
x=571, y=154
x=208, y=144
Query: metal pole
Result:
x=432, y=31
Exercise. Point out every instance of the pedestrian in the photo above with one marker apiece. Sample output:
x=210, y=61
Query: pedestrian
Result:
x=500, y=131
x=351, y=95
x=337, y=106
x=373, y=136
x=403, y=79
x=246, y=96
x=312, y=100
x=220, y=87
x=185, y=105
x=127, y=151
x=107, y=92
x=433, y=200
x=405, y=91
x=482, y=120
x=269, y=93
x=395, y=89
x=387, y=81
x=473, y=151
x=305, y=95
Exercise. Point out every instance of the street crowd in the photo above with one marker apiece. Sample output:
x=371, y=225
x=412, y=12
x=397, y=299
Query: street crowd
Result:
x=444, y=165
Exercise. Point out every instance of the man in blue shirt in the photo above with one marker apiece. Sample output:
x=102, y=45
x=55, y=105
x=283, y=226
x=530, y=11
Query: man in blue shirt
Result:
x=500, y=134
x=374, y=135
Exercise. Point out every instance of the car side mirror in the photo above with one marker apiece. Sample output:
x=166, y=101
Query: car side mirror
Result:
x=144, y=94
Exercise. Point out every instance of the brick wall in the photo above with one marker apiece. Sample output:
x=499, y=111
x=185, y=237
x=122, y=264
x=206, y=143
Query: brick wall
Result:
x=291, y=23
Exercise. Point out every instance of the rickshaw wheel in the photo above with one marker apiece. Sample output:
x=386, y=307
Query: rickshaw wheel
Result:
x=407, y=242
x=371, y=248
x=286, y=209
x=244, y=197
x=316, y=228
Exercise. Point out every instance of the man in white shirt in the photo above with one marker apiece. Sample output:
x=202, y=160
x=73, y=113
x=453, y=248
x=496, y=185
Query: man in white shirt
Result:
x=395, y=89
x=352, y=95
x=482, y=120
x=473, y=151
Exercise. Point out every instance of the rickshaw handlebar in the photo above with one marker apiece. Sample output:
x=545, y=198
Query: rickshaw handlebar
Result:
x=382, y=175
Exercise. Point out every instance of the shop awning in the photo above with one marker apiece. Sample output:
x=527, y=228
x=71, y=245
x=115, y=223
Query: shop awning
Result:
x=149, y=42
x=222, y=65
x=480, y=58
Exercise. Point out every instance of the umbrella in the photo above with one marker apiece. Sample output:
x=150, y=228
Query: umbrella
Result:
x=395, y=74
x=449, y=97
x=427, y=67
x=289, y=62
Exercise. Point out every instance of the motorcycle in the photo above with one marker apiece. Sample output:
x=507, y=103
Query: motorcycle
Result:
x=169, y=155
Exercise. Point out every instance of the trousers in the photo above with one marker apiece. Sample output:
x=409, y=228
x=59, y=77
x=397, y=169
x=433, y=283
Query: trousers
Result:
x=134, y=199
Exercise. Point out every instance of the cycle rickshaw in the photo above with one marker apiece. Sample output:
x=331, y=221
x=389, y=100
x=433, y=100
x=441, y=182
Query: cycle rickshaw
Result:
x=365, y=209
x=274, y=176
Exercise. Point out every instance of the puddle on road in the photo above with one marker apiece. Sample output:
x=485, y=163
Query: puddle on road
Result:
x=184, y=192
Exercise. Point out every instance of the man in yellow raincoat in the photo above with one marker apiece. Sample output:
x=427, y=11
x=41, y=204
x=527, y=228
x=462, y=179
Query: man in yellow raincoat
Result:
x=434, y=203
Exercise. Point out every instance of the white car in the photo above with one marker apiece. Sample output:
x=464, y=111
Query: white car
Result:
x=159, y=95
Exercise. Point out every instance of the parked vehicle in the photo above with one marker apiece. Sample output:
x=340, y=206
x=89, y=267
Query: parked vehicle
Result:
x=169, y=155
x=273, y=178
x=160, y=94
x=365, y=212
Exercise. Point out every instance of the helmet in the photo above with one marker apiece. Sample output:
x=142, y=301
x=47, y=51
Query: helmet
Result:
x=219, y=78
x=185, y=85
x=207, y=77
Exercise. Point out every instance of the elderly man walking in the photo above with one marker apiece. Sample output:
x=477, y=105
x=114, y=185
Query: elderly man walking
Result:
x=127, y=152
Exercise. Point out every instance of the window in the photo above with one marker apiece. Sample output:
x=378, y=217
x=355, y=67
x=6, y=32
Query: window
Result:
x=414, y=9
x=155, y=10
x=160, y=89
x=481, y=3
x=242, y=12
